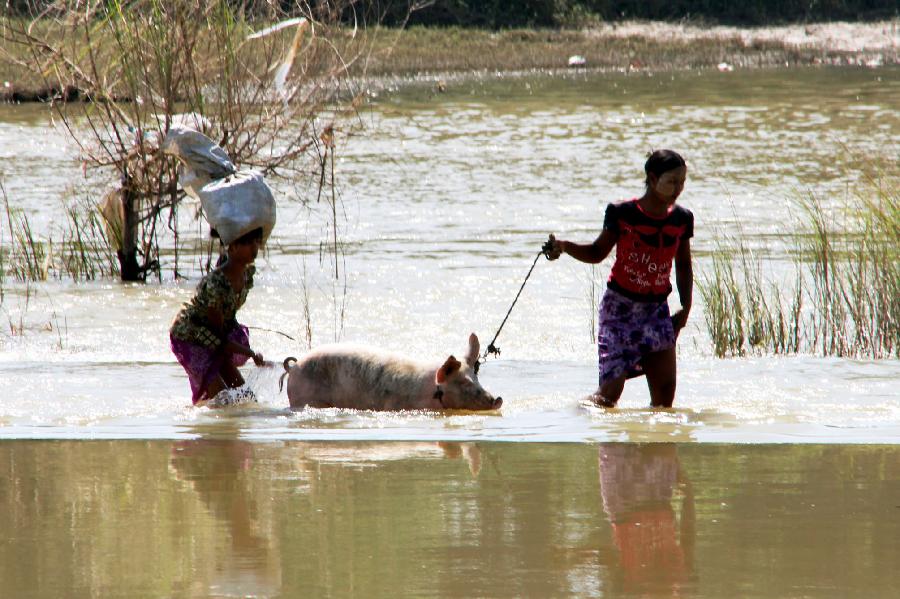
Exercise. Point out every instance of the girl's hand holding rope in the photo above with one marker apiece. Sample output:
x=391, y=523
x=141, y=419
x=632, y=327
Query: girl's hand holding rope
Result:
x=552, y=248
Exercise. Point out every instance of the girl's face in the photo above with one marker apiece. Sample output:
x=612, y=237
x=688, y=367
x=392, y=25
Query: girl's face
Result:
x=244, y=252
x=669, y=185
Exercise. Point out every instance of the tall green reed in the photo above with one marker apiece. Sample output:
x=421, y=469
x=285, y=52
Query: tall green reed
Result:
x=83, y=252
x=25, y=257
x=845, y=298
x=856, y=275
x=86, y=253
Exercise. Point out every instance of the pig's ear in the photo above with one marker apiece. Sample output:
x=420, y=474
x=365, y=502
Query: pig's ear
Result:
x=474, y=350
x=446, y=371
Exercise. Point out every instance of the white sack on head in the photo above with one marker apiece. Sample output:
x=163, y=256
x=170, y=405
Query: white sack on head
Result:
x=235, y=203
x=238, y=204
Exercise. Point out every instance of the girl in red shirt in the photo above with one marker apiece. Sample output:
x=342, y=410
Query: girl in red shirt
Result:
x=636, y=334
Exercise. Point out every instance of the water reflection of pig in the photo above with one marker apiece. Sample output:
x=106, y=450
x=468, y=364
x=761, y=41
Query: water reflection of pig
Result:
x=346, y=376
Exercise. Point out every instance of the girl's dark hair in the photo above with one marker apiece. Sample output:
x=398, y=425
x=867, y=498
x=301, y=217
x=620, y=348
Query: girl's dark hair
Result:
x=254, y=235
x=662, y=161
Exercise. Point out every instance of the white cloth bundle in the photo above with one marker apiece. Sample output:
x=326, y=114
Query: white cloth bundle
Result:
x=235, y=203
x=238, y=204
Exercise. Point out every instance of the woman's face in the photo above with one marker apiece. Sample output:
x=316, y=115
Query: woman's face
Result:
x=244, y=252
x=669, y=185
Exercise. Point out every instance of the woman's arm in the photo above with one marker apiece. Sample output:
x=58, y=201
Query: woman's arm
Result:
x=217, y=324
x=684, y=281
x=592, y=253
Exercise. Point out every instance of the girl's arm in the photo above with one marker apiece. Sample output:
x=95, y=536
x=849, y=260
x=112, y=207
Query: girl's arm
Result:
x=592, y=253
x=684, y=281
x=217, y=324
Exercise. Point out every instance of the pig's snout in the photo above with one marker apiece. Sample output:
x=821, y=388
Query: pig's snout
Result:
x=487, y=402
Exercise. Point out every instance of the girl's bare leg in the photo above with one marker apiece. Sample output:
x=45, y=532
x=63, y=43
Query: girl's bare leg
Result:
x=660, y=370
x=229, y=378
x=231, y=375
x=608, y=394
x=213, y=389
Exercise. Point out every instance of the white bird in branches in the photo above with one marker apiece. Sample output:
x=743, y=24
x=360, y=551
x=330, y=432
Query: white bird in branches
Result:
x=283, y=69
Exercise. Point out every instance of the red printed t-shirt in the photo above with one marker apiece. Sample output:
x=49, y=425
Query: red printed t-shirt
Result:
x=645, y=249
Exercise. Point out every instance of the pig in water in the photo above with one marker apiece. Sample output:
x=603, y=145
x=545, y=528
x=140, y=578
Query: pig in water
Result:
x=346, y=376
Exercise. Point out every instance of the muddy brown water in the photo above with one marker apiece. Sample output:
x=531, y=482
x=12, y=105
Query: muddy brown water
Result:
x=233, y=518
x=774, y=477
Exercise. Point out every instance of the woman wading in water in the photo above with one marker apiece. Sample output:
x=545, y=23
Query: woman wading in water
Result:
x=636, y=334
x=207, y=339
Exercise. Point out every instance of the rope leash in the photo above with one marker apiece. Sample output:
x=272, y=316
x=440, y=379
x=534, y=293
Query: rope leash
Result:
x=491, y=348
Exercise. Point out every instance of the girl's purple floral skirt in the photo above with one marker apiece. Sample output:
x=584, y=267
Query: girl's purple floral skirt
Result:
x=627, y=331
x=203, y=364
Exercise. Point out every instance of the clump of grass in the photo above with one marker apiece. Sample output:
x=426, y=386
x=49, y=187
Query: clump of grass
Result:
x=848, y=272
x=856, y=276
x=744, y=312
x=723, y=299
x=26, y=258
x=84, y=252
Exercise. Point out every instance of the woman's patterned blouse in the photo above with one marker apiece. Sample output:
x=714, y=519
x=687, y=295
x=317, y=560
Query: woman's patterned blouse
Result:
x=214, y=290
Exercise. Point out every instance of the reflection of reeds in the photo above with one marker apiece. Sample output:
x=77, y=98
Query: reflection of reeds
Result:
x=849, y=272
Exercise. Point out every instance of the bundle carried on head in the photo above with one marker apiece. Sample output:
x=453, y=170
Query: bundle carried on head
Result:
x=234, y=202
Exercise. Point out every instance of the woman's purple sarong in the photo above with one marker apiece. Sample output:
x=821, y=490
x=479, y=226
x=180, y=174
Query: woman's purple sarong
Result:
x=202, y=364
x=628, y=330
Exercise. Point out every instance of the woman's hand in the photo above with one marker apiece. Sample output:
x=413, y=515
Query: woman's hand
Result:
x=258, y=359
x=554, y=248
x=679, y=319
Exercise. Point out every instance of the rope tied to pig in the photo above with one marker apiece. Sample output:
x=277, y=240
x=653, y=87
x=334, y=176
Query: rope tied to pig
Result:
x=492, y=348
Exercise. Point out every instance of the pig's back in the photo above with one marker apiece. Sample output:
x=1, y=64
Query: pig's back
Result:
x=353, y=376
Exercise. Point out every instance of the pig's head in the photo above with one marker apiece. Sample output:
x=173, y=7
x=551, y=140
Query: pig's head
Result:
x=459, y=383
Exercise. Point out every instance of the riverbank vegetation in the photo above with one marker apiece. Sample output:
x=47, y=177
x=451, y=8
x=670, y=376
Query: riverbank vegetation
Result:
x=630, y=46
x=275, y=101
x=272, y=99
x=842, y=297
x=406, y=53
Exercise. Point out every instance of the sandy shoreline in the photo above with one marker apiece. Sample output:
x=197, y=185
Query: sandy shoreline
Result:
x=418, y=53
x=876, y=37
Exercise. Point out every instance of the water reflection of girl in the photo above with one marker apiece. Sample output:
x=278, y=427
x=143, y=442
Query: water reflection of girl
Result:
x=222, y=475
x=637, y=485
